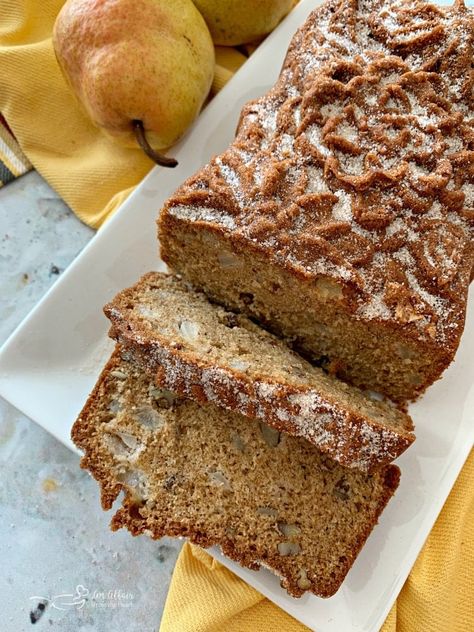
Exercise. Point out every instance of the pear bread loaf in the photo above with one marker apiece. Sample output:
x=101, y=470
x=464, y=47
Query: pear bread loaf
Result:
x=342, y=215
x=198, y=471
x=205, y=353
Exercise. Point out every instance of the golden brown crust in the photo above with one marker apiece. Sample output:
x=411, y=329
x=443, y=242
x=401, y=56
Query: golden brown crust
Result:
x=355, y=431
x=139, y=513
x=358, y=166
x=85, y=431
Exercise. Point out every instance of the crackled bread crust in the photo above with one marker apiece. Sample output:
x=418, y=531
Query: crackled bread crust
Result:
x=213, y=477
x=206, y=353
x=349, y=190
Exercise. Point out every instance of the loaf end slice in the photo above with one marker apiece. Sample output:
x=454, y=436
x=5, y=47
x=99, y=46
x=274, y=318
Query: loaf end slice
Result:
x=209, y=475
x=205, y=353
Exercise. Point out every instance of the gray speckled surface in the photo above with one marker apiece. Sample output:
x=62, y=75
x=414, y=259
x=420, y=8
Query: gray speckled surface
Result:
x=55, y=545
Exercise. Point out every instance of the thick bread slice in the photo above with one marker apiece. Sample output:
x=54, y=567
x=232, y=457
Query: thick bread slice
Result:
x=218, y=479
x=203, y=352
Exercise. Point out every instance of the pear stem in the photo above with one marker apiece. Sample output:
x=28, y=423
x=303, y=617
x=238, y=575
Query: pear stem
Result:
x=140, y=135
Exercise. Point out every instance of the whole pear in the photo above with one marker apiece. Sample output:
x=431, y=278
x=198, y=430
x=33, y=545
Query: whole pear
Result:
x=234, y=22
x=141, y=68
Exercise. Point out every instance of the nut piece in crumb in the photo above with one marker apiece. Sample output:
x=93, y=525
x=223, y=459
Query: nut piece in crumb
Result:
x=375, y=396
x=288, y=530
x=121, y=444
x=405, y=352
x=189, y=330
x=267, y=511
x=328, y=289
x=129, y=440
x=228, y=259
x=238, y=443
x=128, y=477
x=162, y=397
x=303, y=581
x=217, y=478
x=289, y=548
x=115, y=406
x=148, y=417
x=342, y=489
x=270, y=435
x=120, y=375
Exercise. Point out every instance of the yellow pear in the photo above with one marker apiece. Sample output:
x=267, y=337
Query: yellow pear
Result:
x=234, y=22
x=141, y=68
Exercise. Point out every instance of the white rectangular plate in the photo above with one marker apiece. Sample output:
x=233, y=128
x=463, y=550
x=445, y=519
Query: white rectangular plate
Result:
x=49, y=365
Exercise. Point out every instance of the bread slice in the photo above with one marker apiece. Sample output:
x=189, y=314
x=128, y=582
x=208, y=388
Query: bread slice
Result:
x=212, y=476
x=205, y=353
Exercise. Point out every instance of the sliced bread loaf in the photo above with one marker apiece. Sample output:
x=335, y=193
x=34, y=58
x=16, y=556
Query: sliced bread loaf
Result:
x=218, y=479
x=335, y=217
x=205, y=353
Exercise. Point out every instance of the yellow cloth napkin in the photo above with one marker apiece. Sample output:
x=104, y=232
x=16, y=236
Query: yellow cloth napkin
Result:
x=90, y=172
x=438, y=595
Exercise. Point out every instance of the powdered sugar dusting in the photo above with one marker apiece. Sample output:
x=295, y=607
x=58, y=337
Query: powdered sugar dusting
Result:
x=205, y=214
x=375, y=308
x=342, y=210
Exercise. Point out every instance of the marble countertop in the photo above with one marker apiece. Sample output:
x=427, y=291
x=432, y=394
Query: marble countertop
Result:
x=61, y=567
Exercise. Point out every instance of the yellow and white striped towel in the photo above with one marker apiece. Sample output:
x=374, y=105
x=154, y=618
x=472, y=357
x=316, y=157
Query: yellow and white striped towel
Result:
x=13, y=162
